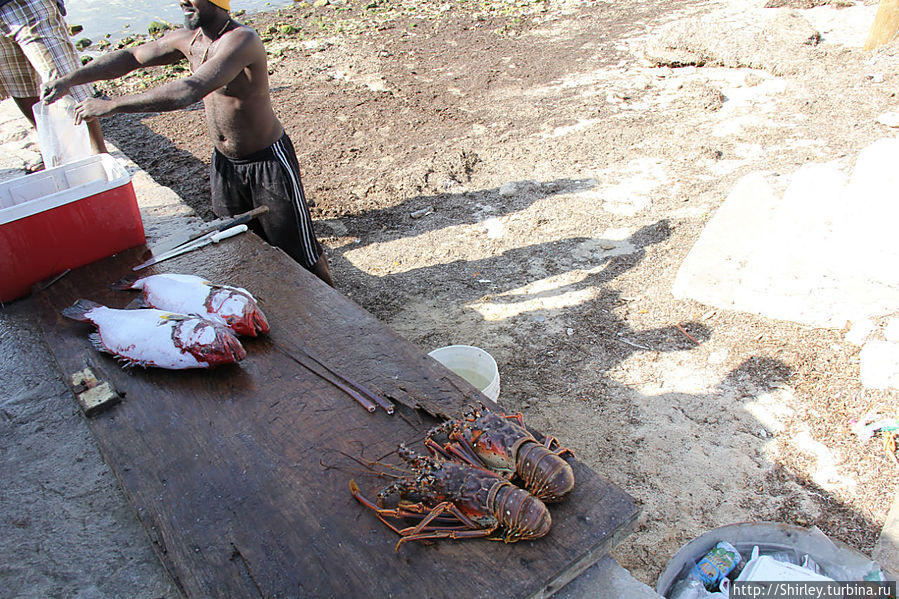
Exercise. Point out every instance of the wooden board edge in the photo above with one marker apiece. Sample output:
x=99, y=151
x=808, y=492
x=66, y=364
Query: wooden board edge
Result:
x=596, y=553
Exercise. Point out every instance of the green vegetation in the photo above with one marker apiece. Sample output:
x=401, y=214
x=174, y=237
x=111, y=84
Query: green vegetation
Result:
x=157, y=28
x=345, y=19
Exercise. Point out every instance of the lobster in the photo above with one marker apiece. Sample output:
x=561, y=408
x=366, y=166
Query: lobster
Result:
x=501, y=443
x=457, y=501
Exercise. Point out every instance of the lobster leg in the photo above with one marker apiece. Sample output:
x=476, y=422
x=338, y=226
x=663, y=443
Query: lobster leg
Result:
x=423, y=531
x=458, y=451
x=518, y=417
x=444, y=427
x=559, y=451
x=447, y=534
x=408, y=510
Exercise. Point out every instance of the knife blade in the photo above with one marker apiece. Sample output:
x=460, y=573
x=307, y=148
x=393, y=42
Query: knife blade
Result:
x=195, y=245
x=211, y=230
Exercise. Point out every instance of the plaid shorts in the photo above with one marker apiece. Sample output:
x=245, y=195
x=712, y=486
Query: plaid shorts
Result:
x=35, y=47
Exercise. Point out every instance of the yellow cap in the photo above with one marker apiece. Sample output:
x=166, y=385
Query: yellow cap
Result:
x=226, y=4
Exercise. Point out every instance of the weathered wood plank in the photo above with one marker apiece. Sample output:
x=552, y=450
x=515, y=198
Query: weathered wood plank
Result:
x=240, y=474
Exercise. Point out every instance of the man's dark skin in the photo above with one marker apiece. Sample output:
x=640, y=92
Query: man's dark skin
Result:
x=230, y=75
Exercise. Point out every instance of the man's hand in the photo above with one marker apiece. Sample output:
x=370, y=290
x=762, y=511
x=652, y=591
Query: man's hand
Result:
x=53, y=91
x=92, y=107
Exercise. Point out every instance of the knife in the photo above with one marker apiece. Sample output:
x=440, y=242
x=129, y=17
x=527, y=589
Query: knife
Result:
x=240, y=219
x=194, y=245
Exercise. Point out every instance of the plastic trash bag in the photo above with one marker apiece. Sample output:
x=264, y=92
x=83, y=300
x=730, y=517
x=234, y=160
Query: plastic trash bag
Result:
x=60, y=139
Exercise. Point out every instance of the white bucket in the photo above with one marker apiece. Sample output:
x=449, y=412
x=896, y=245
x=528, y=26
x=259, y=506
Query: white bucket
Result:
x=473, y=364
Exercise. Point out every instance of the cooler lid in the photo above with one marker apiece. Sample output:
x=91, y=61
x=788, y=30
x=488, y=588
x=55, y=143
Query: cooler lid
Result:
x=51, y=188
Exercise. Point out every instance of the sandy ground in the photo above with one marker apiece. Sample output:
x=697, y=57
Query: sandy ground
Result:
x=528, y=177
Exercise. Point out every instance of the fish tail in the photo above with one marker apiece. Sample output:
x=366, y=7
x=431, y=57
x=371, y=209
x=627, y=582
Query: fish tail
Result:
x=78, y=310
x=138, y=303
x=129, y=282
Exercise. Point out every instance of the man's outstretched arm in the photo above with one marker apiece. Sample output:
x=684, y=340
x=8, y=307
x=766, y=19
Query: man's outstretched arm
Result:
x=236, y=52
x=116, y=64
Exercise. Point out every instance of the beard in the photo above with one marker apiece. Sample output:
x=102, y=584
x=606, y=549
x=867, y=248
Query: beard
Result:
x=192, y=21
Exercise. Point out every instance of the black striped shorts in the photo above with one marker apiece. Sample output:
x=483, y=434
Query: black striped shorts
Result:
x=270, y=177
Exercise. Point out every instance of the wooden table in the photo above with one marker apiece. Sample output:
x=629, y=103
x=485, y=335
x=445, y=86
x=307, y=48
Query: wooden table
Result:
x=240, y=474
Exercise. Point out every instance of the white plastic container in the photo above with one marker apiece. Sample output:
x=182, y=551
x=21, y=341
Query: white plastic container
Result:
x=60, y=139
x=472, y=364
x=766, y=568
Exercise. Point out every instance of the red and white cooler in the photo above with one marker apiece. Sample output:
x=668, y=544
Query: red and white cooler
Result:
x=62, y=218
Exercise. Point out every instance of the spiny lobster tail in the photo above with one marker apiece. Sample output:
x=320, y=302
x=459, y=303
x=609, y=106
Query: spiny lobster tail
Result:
x=548, y=476
x=521, y=515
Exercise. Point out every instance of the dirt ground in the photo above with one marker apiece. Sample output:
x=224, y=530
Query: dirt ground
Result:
x=528, y=176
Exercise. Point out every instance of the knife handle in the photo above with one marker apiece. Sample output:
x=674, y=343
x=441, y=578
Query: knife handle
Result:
x=228, y=233
x=244, y=218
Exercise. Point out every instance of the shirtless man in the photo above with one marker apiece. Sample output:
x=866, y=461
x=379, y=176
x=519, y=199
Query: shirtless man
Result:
x=254, y=162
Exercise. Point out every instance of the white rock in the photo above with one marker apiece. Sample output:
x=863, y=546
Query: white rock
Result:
x=891, y=331
x=508, y=189
x=859, y=332
x=816, y=247
x=719, y=356
x=890, y=119
x=494, y=228
x=880, y=365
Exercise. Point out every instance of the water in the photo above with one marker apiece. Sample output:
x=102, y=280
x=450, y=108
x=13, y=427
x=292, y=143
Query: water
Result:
x=478, y=380
x=121, y=18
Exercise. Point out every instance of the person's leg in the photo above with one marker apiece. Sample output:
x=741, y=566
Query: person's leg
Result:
x=322, y=269
x=18, y=78
x=289, y=222
x=25, y=105
x=41, y=32
x=98, y=144
x=271, y=178
x=230, y=195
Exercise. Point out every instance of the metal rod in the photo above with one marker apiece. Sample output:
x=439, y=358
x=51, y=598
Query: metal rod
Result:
x=384, y=403
x=365, y=402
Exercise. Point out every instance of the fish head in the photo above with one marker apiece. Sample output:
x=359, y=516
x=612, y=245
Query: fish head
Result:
x=238, y=310
x=251, y=322
x=209, y=342
x=227, y=349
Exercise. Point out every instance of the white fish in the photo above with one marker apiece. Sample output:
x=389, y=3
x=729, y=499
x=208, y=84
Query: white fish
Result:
x=149, y=337
x=234, y=307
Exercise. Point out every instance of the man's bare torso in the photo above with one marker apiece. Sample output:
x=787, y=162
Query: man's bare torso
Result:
x=239, y=116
